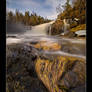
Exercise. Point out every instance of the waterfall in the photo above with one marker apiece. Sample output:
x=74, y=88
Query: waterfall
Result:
x=17, y=36
x=39, y=30
x=66, y=26
x=49, y=30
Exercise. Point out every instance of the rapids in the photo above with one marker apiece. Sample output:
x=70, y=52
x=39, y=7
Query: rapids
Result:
x=40, y=33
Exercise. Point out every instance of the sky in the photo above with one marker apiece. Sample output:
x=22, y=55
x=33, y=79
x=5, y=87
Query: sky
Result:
x=44, y=8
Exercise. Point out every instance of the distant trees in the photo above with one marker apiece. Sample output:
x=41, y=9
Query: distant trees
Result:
x=26, y=19
x=17, y=16
x=10, y=16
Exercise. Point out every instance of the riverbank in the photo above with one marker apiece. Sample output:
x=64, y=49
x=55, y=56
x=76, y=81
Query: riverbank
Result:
x=70, y=30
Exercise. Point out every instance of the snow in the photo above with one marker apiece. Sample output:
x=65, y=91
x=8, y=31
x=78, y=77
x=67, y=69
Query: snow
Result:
x=12, y=40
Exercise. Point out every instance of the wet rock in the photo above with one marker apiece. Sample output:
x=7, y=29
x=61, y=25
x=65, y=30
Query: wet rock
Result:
x=33, y=42
x=81, y=88
x=51, y=73
x=44, y=45
x=63, y=74
x=21, y=75
x=30, y=71
x=74, y=77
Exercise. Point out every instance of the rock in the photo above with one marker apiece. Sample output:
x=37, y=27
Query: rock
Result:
x=21, y=75
x=81, y=88
x=49, y=72
x=44, y=45
x=61, y=74
x=74, y=77
x=81, y=33
x=57, y=27
x=30, y=71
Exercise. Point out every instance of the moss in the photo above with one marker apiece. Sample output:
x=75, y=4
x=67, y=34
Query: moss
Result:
x=79, y=27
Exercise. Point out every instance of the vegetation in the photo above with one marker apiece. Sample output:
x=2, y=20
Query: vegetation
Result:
x=26, y=19
x=76, y=10
x=75, y=13
x=80, y=27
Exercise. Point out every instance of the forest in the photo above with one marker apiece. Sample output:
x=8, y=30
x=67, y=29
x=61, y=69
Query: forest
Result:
x=26, y=19
x=75, y=13
x=76, y=10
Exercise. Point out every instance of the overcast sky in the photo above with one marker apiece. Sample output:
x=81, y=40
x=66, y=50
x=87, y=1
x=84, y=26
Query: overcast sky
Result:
x=45, y=8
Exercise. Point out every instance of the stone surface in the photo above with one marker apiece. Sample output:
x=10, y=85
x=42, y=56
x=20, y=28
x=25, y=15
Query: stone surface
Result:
x=29, y=71
x=21, y=75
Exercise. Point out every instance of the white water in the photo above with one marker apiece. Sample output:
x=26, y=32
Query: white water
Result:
x=64, y=54
x=39, y=33
x=12, y=40
x=66, y=27
x=39, y=30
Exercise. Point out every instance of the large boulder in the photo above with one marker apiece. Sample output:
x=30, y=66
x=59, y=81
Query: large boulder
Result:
x=62, y=74
x=21, y=75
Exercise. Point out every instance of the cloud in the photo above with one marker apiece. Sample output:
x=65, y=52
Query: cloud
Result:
x=45, y=8
x=52, y=14
x=10, y=9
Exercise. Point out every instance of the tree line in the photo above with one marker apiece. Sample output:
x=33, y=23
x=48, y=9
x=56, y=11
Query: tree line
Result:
x=75, y=10
x=27, y=19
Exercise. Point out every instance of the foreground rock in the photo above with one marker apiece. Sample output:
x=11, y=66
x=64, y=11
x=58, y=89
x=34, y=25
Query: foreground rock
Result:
x=21, y=74
x=63, y=74
x=29, y=71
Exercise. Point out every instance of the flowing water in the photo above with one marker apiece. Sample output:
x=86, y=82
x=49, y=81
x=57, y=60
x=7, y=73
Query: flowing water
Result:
x=69, y=47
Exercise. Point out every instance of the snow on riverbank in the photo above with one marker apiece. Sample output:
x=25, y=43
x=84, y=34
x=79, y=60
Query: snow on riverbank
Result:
x=13, y=40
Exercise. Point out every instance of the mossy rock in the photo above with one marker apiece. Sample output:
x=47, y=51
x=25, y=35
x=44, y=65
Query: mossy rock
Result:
x=62, y=73
x=79, y=27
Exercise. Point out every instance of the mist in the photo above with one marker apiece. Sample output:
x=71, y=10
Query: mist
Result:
x=14, y=28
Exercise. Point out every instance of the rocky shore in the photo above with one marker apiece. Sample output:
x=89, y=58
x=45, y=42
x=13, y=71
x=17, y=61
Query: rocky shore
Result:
x=30, y=71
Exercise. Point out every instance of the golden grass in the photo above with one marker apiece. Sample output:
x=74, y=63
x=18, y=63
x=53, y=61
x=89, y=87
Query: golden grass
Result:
x=80, y=27
x=46, y=46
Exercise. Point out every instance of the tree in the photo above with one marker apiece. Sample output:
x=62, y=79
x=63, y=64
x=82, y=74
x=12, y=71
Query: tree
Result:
x=10, y=16
x=66, y=11
x=80, y=10
x=59, y=8
x=18, y=18
x=27, y=17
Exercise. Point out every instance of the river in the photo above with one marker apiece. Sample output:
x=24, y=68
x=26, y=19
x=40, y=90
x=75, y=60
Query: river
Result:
x=40, y=61
x=70, y=47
